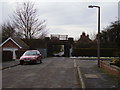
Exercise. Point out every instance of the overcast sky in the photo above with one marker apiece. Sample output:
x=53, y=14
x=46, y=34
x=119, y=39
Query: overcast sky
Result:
x=68, y=17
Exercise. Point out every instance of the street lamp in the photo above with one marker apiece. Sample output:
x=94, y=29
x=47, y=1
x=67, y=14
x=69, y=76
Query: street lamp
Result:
x=98, y=41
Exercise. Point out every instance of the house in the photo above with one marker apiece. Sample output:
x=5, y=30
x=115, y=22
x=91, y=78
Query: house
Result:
x=84, y=41
x=20, y=45
x=13, y=44
x=84, y=38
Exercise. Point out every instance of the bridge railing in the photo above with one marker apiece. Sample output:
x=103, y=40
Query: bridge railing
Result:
x=59, y=37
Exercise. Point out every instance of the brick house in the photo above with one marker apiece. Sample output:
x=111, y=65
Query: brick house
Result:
x=13, y=44
x=84, y=41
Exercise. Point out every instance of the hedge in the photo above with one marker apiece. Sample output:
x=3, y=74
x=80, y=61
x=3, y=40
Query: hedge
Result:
x=7, y=56
x=92, y=52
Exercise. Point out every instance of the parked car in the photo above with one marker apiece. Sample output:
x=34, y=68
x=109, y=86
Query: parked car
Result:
x=31, y=56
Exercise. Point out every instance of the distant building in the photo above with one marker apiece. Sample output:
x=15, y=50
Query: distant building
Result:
x=84, y=41
x=84, y=38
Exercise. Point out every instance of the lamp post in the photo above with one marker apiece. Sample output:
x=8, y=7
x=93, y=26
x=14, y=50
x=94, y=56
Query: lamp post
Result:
x=98, y=41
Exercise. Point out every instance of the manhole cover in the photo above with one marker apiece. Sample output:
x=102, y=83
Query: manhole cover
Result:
x=91, y=76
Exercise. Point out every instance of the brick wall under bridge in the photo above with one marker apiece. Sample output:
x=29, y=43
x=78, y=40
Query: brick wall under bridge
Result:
x=67, y=46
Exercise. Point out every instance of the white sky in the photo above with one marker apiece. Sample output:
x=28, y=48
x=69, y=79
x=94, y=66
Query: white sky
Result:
x=68, y=17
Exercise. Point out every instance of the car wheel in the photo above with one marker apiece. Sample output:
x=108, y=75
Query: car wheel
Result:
x=40, y=61
x=37, y=61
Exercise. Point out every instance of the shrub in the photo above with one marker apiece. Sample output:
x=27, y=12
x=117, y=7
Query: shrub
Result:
x=118, y=62
x=84, y=52
x=115, y=62
x=92, y=52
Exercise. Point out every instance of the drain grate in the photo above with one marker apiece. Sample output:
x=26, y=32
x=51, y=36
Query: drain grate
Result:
x=91, y=76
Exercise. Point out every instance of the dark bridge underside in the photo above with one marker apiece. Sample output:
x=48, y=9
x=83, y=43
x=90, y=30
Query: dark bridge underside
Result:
x=67, y=46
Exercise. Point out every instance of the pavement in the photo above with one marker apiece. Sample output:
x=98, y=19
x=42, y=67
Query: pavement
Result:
x=9, y=64
x=95, y=77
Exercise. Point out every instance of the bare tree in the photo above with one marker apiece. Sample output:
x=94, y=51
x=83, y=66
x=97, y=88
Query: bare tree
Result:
x=27, y=22
x=8, y=30
x=93, y=36
x=43, y=34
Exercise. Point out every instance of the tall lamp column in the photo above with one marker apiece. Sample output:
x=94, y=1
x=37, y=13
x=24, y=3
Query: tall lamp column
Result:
x=98, y=38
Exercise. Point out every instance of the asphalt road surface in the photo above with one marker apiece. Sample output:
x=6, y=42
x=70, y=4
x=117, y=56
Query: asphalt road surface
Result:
x=56, y=72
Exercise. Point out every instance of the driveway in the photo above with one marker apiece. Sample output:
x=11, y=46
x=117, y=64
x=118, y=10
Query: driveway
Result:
x=56, y=72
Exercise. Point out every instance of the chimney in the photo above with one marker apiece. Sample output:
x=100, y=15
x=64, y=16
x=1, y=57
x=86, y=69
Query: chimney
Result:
x=87, y=35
